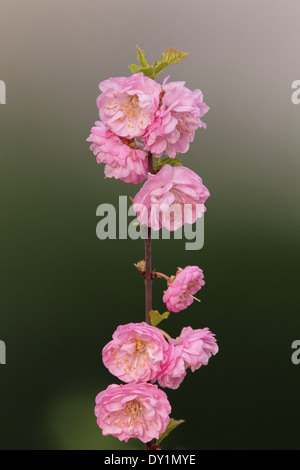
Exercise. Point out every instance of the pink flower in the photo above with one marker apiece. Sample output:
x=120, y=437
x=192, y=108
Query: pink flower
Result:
x=176, y=121
x=127, y=105
x=138, y=411
x=174, y=370
x=136, y=353
x=192, y=349
x=196, y=346
x=172, y=197
x=180, y=292
x=123, y=160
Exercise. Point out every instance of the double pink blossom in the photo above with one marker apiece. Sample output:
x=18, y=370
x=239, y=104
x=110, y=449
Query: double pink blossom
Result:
x=124, y=160
x=136, y=353
x=133, y=410
x=196, y=346
x=127, y=105
x=192, y=349
x=174, y=370
x=176, y=120
x=180, y=292
x=171, y=198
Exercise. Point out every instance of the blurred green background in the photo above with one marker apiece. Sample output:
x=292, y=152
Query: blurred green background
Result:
x=63, y=291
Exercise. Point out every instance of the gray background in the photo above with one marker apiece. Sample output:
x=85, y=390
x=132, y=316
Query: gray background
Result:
x=63, y=291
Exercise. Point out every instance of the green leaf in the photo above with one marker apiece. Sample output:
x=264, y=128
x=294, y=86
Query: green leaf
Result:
x=141, y=58
x=156, y=317
x=134, y=68
x=171, y=426
x=149, y=72
x=145, y=68
x=168, y=161
x=160, y=67
x=172, y=56
x=169, y=57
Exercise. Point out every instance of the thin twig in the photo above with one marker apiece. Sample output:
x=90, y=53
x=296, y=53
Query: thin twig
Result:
x=148, y=277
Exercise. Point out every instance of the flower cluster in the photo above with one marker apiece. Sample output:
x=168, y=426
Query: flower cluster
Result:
x=164, y=117
x=138, y=354
x=141, y=119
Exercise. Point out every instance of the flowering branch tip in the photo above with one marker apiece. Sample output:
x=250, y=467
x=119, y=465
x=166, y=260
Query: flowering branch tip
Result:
x=143, y=126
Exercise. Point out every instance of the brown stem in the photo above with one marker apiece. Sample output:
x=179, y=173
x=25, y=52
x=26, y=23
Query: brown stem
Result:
x=148, y=277
x=152, y=446
x=162, y=275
